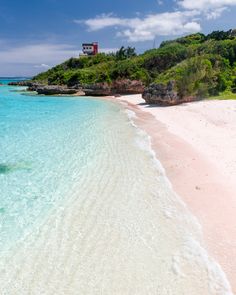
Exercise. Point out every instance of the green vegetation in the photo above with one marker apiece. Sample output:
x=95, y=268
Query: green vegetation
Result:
x=202, y=66
x=224, y=96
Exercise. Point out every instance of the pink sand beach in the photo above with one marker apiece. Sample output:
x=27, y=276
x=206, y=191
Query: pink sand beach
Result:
x=196, y=144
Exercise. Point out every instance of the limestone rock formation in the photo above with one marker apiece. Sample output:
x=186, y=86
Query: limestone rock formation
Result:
x=162, y=94
x=55, y=90
x=21, y=83
x=123, y=86
x=126, y=86
x=98, y=89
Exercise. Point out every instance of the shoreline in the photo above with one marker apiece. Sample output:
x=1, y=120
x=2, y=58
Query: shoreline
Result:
x=205, y=188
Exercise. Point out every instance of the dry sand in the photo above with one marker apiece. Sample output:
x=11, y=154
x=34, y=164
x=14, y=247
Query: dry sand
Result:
x=196, y=144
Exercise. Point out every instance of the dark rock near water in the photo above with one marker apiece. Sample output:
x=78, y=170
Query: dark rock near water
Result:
x=162, y=94
x=34, y=87
x=55, y=90
x=124, y=86
x=76, y=86
x=98, y=89
x=21, y=83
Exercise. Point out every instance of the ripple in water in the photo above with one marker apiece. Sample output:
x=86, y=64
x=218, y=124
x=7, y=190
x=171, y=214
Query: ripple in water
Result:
x=89, y=199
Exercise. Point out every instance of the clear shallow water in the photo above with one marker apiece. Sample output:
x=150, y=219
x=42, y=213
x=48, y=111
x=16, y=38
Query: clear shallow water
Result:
x=45, y=144
x=80, y=179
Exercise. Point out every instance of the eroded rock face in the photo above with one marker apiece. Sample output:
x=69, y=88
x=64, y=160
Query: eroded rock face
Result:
x=46, y=89
x=32, y=86
x=162, y=94
x=124, y=86
x=98, y=89
x=21, y=83
x=55, y=90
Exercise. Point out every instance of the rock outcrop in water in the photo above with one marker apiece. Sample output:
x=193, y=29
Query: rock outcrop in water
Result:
x=162, y=94
x=21, y=83
x=56, y=90
x=49, y=89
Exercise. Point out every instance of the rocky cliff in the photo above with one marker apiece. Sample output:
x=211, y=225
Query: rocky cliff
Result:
x=124, y=86
x=162, y=94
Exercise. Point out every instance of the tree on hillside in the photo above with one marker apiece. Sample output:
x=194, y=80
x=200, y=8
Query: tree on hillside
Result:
x=124, y=53
x=220, y=35
x=130, y=52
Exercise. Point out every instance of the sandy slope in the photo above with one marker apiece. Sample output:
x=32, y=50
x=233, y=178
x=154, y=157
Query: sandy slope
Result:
x=196, y=143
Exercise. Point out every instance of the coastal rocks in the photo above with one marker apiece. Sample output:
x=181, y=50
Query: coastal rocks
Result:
x=126, y=86
x=55, y=90
x=118, y=87
x=21, y=83
x=98, y=89
x=34, y=86
x=49, y=89
x=123, y=86
x=162, y=94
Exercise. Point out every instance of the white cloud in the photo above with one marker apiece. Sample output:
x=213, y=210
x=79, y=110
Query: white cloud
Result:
x=215, y=13
x=104, y=20
x=148, y=27
x=42, y=66
x=41, y=55
x=38, y=53
x=181, y=21
x=206, y=4
x=211, y=8
x=27, y=60
x=30, y=59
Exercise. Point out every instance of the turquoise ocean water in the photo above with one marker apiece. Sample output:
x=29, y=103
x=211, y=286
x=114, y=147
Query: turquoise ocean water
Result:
x=45, y=144
x=81, y=191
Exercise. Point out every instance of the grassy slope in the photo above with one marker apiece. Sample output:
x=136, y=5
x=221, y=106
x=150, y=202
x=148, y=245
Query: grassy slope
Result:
x=226, y=96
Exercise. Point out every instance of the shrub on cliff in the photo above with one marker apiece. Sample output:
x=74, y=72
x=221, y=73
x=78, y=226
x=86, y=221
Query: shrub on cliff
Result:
x=161, y=59
x=199, y=76
x=192, y=39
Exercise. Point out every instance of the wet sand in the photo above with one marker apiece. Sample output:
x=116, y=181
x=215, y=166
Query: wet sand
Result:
x=196, y=144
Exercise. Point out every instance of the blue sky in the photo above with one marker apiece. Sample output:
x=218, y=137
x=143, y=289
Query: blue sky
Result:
x=36, y=35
